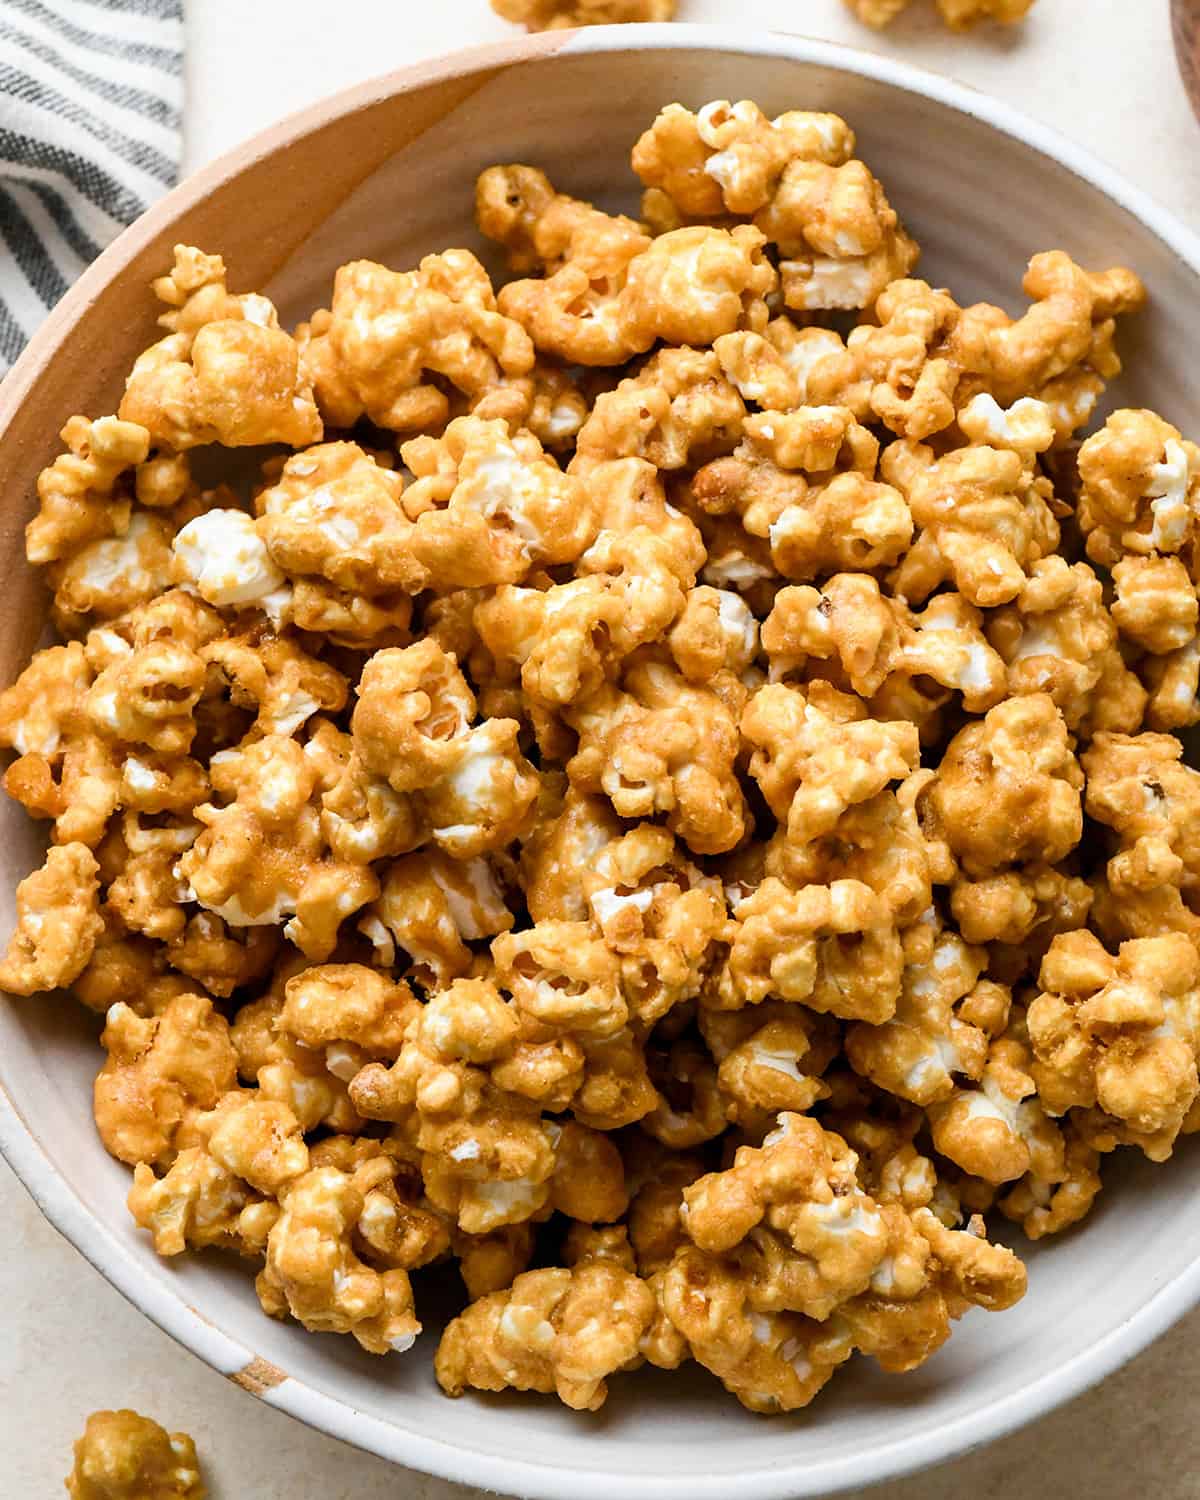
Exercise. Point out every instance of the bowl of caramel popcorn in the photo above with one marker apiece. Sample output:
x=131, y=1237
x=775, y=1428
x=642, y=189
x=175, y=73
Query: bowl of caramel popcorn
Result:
x=598, y=815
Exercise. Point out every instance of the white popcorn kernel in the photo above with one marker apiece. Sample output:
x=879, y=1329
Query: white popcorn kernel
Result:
x=226, y=559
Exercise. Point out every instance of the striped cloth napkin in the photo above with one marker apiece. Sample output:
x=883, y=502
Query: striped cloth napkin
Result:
x=91, y=97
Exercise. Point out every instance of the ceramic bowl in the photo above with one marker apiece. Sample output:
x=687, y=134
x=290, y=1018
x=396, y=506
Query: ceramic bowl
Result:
x=386, y=170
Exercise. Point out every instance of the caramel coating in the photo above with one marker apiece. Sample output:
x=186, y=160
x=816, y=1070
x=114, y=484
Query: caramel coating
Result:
x=125, y=1456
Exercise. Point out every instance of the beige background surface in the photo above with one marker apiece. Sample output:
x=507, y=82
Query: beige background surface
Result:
x=1099, y=70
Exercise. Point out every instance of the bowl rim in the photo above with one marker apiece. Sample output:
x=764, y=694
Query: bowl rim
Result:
x=168, y=1308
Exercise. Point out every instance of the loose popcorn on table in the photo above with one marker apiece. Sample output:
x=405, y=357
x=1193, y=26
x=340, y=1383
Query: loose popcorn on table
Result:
x=543, y=15
x=656, y=787
x=959, y=15
x=125, y=1456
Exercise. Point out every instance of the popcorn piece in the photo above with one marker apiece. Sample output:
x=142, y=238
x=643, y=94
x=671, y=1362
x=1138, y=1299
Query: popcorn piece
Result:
x=959, y=15
x=676, y=412
x=262, y=857
x=569, y=832
x=390, y=333
x=770, y=1362
x=108, y=577
x=888, y=1282
x=148, y=697
x=57, y=923
x=432, y=906
x=902, y=365
x=197, y=1204
x=219, y=957
x=983, y=521
x=561, y=1331
x=1138, y=787
x=832, y=947
x=334, y=1003
x=1156, y=604
x=661, y=746
x=1044, y=1207
x=161, y=1071
x=688, y=286
x=878, y=842
x=871, y=638
x=1173, y=683
x=817, y=754
x=1008, y=788
x=286, y=1071
x=785, y=367
x=227, y=372
x=716, y=633
x=275, y=676
x=801, y=1180
x=563, y=977
x=1140, y=487
x=802, y=480
x=488, y=507
x=541, y=229
x=139, y=860
x=1000, y=1130
x=411, y=727
x=551, y=15
x=81, y=496
x=770, y=1058
x=840, y=241
x=1057, y=637
x=659, y=914
x=1119, y=1036
x=935, y=1034
x=337, y=514
x=124, y=1456
x=1014, y=907
x=313, y=1272
x=730, y=157
x=1061, y=351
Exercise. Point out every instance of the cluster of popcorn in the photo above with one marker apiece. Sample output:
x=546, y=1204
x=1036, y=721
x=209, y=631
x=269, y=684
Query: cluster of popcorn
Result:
x=664, y=795
x=555, y=15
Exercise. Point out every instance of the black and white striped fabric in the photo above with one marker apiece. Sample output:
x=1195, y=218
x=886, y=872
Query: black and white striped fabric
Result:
x=91, y=99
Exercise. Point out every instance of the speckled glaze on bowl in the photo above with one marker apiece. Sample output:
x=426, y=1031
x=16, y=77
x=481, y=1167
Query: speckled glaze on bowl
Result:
x=386, y=170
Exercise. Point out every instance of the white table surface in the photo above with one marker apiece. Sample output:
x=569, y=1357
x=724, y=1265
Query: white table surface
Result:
x=1100, y=71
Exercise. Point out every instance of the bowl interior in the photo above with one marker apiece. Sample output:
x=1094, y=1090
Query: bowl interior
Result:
x=392, y=180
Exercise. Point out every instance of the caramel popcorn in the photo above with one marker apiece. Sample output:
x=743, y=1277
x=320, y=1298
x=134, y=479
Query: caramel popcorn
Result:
x=313, y=1273
x=552, y=15
x=161, y=1072
x=125, y=1456
x=639, y=784
x=388, y=333
x=1140, y=483
x=1008, y=788
x=1115, y=1039
x=226, y=373
x=555, y=1330
x=57, y=923
x=959, y=15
